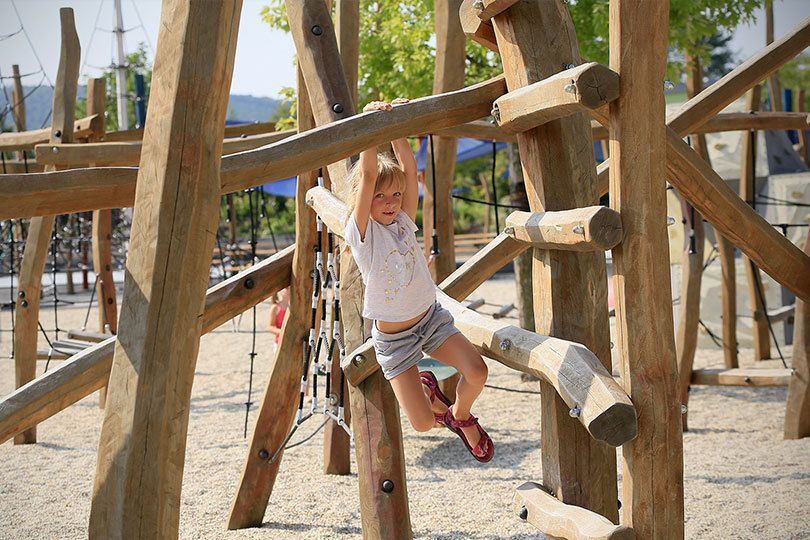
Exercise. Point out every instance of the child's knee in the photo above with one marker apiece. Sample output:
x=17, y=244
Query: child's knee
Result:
x=477, y=372
x=422, y=423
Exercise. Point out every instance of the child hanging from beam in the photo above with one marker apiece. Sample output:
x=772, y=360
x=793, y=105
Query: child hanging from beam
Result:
x=400, y=297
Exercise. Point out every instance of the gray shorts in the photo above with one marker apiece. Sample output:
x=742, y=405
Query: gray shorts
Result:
x=398, y=352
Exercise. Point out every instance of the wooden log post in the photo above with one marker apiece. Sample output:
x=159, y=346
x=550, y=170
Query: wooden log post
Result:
x=652, y=482
x=448, y=75
x=277, y=410
x=774, y=88
x=691, y=257
x=748, y=180
x=102, y=235
x=592, y=228
x=18, y=103
x=139, y=473
x=802, y=147
x=797, y=411
x=375, y=415
x=537, y=40
x=336, y=442
x=29, y=283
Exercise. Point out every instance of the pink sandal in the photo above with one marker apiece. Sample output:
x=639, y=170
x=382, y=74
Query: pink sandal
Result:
x=429, y=380
x=485, y=445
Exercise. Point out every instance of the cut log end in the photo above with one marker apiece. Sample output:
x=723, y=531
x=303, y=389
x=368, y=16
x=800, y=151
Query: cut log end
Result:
x=616, y=425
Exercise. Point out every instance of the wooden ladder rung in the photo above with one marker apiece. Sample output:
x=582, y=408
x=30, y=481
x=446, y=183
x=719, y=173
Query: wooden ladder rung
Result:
x=86, y=335
x=742, y=377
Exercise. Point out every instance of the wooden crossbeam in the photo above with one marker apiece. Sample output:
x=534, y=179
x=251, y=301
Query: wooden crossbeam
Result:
x=89, y=370
x=571, y=91
x=582, y=229
x=475, y=27
x=235, y=130
x=80, y=190
x=742, y=377
x=27, y=140
x=533, y=503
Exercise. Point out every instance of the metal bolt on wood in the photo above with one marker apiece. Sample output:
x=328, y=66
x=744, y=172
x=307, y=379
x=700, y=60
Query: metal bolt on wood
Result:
x=570, y=88
x=505, y=345
x=358, y=360
x=509, y=230
x=478, y=4
x=683, y=409
x=579, y=229
x=317, y=30
x=574, y=413
x=668, y=85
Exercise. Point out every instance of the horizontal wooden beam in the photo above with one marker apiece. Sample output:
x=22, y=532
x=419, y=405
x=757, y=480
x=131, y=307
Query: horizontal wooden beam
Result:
x=86, y=335
x=235, y=130
x=595, y=228
x=89, y=370
x=742, y=377
x=19, y=166
x=559, y=520
x=695, y=180
x=476, y=29
x=26, y=140
x=778, y=314
x=572, y=91
x=489, y=8
x=479, y=129
x=78, y=190
x=129, y=153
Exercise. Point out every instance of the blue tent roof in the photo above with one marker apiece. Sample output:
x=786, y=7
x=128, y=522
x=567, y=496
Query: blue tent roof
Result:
x=467, y=149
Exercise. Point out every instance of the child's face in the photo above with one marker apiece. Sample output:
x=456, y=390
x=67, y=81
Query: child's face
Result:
x=386, y=204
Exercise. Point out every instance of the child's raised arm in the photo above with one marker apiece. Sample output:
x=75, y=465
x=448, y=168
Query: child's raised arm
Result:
x=405, y=157
x=368, y=177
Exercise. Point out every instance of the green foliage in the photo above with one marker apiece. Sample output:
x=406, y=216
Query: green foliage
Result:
x=136, y=63
x=796, y=75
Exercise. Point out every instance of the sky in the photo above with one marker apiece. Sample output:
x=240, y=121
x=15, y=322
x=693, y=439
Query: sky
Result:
x=264, y=57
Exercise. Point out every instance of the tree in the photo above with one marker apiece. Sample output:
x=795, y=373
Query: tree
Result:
x=136, y=62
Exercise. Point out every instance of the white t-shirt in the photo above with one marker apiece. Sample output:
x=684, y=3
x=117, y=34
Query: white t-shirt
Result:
x=394, y=269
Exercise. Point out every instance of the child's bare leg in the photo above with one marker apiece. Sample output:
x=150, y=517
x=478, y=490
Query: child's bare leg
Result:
x=414, y=398
x=459, y=353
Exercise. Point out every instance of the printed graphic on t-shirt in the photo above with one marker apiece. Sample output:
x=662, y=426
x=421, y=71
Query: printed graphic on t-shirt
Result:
x=398, y=269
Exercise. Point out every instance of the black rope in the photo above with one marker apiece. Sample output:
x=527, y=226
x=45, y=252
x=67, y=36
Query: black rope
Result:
x=494, y=189
x=248, y=403
x=715, y=338
x=54, y=246
x=765, y=311
x=11, y=285
x=489, y=203
x=434, y=250
x=776, y=201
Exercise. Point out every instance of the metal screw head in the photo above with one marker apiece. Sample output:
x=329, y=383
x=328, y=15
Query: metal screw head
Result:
x=683, y=409
x=579, y=229
x=574, y=413
x=387, y=486
x=478, y=4
x=249, y=283
x=337, y=107
x=668, y=85
x=310, y=202
x=496, y=114
x=505, y=345
x=24, y=303
x=264, y=454
x=611, y=344
x=747, y=380
x=570, y=88
x=55, y=150
x=243, y=136
x=21, y=294
x=58, y=133
x=317, y=30
x=358, y=360
x=670, y=221
x=523, y=513
x=570, y=66
x=509, y=230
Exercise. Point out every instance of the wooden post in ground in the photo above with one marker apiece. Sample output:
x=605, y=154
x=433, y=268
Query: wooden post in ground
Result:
x=277, y=410
x=375, y=415
x=536, y=39
x=139, y=473
x=725, y=250
x=18, y=103
x=774, y=88
x=802, y=148
x=748, y=180
x=652, y=482
x=691, y=256
x=797, y=412
x=336, y=443
x=32, y=266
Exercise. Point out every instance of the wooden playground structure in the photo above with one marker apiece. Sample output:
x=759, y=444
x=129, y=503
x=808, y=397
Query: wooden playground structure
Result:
x=544, y=100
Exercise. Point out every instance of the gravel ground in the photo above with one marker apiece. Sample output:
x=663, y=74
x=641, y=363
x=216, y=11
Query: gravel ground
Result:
x=742, y=480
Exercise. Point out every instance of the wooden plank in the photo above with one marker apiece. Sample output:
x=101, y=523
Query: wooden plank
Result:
x=748, y=148
x=570, y=289
x=482, y=266
x=475, y=28
x=448, y=75
x=783, y=313
x=725, y=251
x=489, y=8
x=652, y=481
x=479, y=129
x=83, y=374
x=234, y=130
x=16, y=167
x=84, y=335
x=572, y=91
x=27, y=140
x=797, y=410
x=176, y=214
x=29, y=282
x=693, y=178
x=742, y=377
x=581, y=229
x=533, y=503
x=89, y=189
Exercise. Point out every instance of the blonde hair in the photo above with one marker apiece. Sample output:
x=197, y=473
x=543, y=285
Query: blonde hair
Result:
x=388, y=173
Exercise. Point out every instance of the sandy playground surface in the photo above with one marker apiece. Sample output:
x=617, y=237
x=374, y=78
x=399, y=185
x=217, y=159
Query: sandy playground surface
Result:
x=742, y=480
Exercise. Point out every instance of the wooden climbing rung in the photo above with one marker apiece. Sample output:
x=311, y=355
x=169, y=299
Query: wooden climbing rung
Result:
x=559, y=520
x=52, y=355
x=594, y=228
x=86, y=335
x=742, y=377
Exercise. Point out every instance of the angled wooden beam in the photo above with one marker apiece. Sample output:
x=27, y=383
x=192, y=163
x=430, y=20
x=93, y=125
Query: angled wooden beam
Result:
x=652, y=482
x=533, y=503
x=40, y=228
x=479, y=129
x=89, y=370
x=489, y=8
x=572, y=91
x=742, y=377
x=536, y=38
x=581, y=229
x=89, y=189
x=482, y=265
x=693, y=178
x=797, y=410
x=475, y=28
x=27, y=140
x=139, y=471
